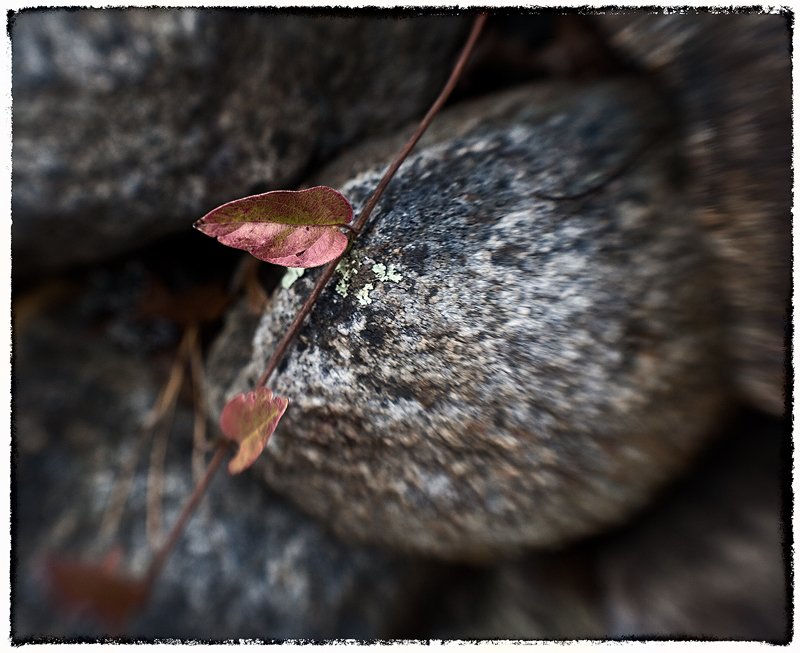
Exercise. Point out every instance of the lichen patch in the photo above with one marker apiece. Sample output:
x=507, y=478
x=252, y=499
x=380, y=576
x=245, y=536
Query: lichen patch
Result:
x=292, y=275
x=363, y=295
x=392, y=274
x=386, y=274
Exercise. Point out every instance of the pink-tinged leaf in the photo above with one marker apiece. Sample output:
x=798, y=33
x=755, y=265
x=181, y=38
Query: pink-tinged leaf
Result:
x=250, y=419
x=95, y=589
x=298, y=229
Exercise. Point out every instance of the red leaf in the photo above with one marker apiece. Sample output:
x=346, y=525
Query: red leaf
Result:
x=298, y=229
x=250, y=419
x=96, y=589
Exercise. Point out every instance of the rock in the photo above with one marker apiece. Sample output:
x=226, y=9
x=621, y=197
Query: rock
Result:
x=249, y=565
x=542, y=596
x=730, y=79
x=131, y=124
x=708, y=559
x=520, y=348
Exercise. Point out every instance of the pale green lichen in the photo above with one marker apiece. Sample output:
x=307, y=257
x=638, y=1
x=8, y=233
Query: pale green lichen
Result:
x=385, y=274
x=380, y=271
x=292, y=275
x=348, y=271
x=392, y=274
x=341, y=287
x=363, y=294
x=342, y=269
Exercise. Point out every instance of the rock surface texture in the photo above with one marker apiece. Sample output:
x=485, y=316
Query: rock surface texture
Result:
x=730, y=76
x=708, y=559
x=131, y=124
x=519, y=349
x=541, y=596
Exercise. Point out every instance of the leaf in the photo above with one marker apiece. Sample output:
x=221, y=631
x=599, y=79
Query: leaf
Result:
x=96, y=589
x=250, y=419
x=298, y=229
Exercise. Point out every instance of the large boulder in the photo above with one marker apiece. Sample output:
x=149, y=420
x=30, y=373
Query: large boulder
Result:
x=131, y=124
x=520, y=348
x=729, y=76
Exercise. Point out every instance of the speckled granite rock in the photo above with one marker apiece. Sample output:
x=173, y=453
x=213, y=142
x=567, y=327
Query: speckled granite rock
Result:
x=708, y=559
x=730, y=76
x=249, y=565
x=131, y=124
x=520, y=348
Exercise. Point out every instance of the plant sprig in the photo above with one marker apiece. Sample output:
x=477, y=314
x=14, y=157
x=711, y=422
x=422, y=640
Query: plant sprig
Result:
x=304, y=228
x=293, y=228
x=291, y=332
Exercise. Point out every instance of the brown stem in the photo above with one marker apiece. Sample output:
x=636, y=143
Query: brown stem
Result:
x=177, y=529
x=199, y=443
x=155, y=481
x=158, y=453
x=376, y=195
x=161, y=557
x=122, y=487
x=298, y=320
x=448, y=88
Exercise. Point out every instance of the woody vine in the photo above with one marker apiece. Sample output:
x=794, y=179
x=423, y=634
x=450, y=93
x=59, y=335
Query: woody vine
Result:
x=297, y=229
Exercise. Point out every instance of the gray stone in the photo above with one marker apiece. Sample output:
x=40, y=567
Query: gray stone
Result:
x=249, y=564
x=520, y=348
x=131, y=124
x=730, y=79
x=708, y=560
x=542, y=596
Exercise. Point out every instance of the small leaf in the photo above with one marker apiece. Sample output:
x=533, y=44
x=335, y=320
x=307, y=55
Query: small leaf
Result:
x=298, y=229
x=96, y=589
x=250, y=419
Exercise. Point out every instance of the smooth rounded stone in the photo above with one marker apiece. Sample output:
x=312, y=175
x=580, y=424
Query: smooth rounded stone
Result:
x=709, y=559
x=131, y=124
x=730, y=77
x=248, y=565
x=520, y=348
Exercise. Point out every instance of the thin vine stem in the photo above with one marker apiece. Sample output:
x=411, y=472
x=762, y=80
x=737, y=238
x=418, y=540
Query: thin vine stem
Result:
x=177, y=529
x=175, y=533
x=163, y=554
x=291, y=332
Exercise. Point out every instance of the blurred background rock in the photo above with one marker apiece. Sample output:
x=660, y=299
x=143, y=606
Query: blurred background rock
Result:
x=131, y=124
x=128, y=124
